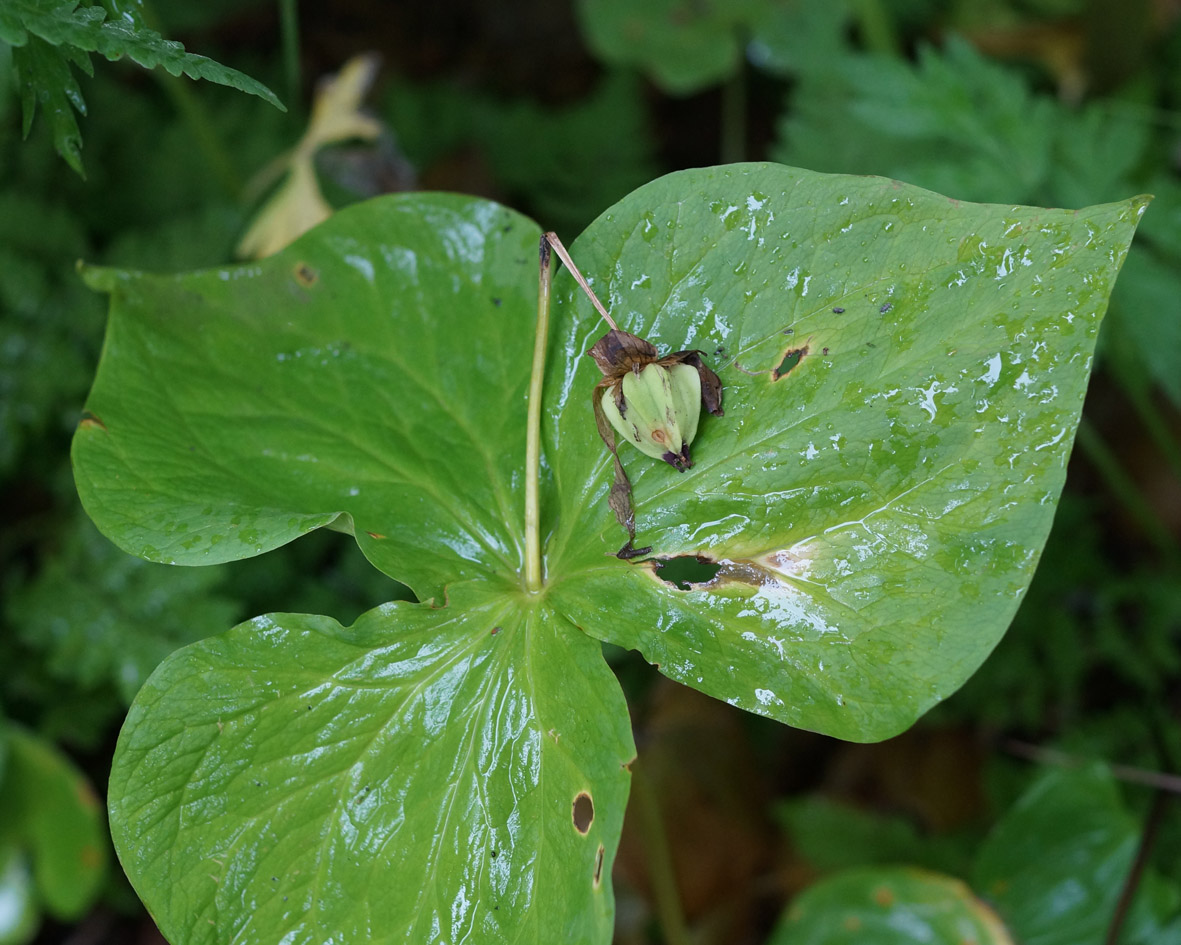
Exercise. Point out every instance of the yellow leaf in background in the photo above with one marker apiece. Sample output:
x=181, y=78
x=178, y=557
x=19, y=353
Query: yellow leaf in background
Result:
x=294, y=208
x=336, y=114
x=297, y=204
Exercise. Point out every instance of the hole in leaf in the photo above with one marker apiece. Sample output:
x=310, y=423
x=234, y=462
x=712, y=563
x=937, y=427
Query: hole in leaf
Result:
x=791, y=358
x=599, y=866
x=583, y=813
x=686, y=570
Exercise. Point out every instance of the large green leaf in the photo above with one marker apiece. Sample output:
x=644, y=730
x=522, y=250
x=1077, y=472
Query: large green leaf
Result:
x=377, y=370
x=415, y=777
x=876, y=513
x=878, y=510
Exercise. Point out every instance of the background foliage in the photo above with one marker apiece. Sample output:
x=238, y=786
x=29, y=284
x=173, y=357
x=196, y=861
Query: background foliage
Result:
x=1060, y=102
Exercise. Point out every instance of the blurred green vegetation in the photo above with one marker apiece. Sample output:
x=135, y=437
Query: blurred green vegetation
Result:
x=559, y=109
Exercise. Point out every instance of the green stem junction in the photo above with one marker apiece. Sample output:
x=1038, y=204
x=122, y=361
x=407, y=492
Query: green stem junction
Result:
x=534, y=578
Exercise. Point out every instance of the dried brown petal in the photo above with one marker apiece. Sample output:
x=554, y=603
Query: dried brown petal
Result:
x=617, y=352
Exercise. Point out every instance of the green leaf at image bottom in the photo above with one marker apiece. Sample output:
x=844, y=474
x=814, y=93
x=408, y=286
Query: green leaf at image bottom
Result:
x=51, y=826
x=426, y=775
x=1056, y=864
x=889, y=906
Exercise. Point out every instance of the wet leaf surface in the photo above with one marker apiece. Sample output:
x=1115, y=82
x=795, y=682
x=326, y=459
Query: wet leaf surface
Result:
x=879, y=509
x=428, y=774
x=375, y=371
x=871, y=518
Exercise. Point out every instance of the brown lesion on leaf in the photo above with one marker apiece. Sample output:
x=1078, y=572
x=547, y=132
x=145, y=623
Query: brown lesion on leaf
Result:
x=305, y=275
x=376, y=536
x=597, y=881
x=583, y=813
x=791, y=358
x=699, y=572
x=90, y=422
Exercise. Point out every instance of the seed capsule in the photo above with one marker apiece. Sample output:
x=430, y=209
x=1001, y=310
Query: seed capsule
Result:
x=654, y=403
x=657, y=411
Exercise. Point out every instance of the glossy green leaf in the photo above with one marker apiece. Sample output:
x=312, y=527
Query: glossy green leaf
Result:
x=415, y=777
x=878, y=509
x=51, y=35
x=51, y=814
x=376, y=370
x=889, y=906
x=1055, y=865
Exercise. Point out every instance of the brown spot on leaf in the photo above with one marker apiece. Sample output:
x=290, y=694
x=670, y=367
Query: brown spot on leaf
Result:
x=495, y=630
x=375, y=535
x=583, y=813
x=883, y=897
x=305, y=275
x=91, y=422
x=599, y=866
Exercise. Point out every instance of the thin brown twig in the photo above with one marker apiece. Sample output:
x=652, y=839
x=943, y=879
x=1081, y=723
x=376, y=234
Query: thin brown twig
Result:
x=552, y=239
x=1152, y=824
x=1170, y=783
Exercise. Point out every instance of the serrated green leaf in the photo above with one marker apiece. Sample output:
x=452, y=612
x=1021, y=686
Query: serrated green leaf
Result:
x=51, y=812
x=877, y=511
x=889, y=906
x=102, y=617
x=414, y=777
x=87, y=28
x=392, y=380
x=47, y=82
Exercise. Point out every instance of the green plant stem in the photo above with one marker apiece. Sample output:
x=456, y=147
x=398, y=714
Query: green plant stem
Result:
x=877, y=29
x=289, y=31
x=195, y=115
x=1148, y=837
x=1124, y=489
x=533, y=575
x=1139, y=393
x=209, y=142
x=660, y=865
x=733, y=144
x=1158, y=780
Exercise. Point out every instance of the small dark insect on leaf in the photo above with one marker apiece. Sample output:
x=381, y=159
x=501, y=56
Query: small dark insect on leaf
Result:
x=653, y=401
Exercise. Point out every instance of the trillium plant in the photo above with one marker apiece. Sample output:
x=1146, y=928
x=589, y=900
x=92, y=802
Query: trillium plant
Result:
x=902, y=374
